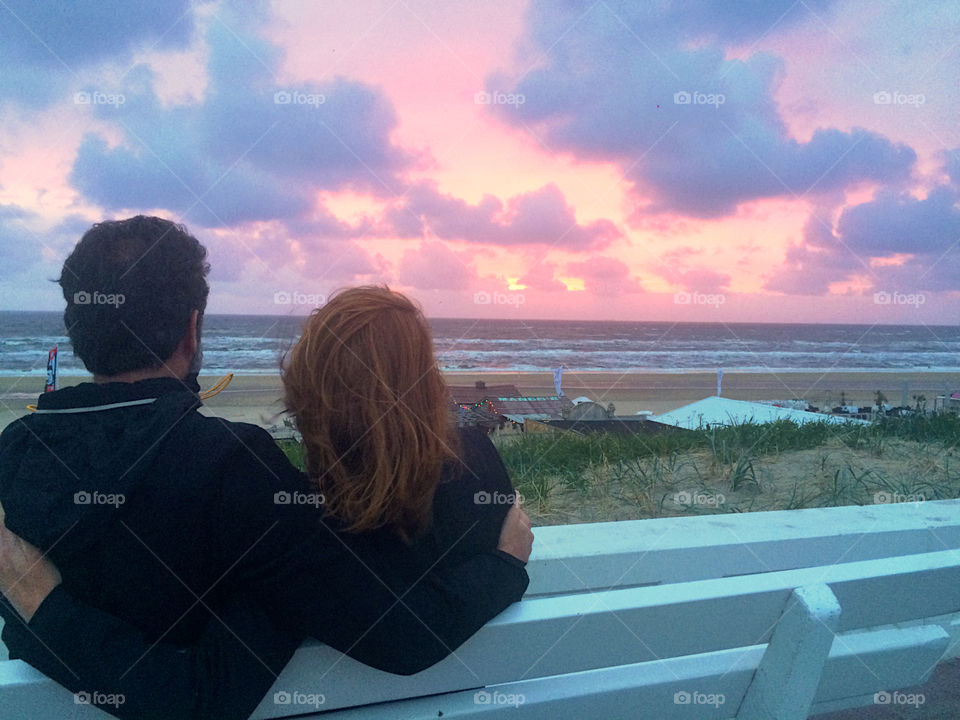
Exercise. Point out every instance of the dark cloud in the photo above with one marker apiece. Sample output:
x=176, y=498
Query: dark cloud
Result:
x=44, y=44
x=916, y=241
x=252, y=150
x=539, y=217
x=900, y=223
x=651, y=88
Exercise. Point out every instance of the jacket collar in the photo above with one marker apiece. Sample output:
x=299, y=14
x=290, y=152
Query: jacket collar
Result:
x=95, y=395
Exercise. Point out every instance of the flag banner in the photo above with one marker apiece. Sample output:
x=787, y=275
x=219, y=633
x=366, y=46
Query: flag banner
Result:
x=51, y=370
x=557, y=375
x=719, y=382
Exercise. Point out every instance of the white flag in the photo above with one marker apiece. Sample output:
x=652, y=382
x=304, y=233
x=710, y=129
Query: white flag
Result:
x=557, y=373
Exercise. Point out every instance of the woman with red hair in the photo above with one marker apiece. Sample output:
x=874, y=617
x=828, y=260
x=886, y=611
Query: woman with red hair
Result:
x=381, y=444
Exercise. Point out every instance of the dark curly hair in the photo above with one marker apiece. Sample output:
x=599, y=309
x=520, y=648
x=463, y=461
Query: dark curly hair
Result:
x=130, y=287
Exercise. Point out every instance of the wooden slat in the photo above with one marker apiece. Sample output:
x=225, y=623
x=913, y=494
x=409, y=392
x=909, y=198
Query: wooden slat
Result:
x=598, y=556
x=27, y=694
x=675, y=689
x=880, y=660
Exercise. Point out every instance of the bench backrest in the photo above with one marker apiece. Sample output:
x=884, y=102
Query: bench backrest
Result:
x=697, y=598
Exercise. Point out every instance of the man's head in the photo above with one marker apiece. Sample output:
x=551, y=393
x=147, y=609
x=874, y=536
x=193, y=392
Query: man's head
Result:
x=133, y=288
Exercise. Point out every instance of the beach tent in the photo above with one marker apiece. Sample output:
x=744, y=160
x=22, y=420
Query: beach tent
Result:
x=714, y=411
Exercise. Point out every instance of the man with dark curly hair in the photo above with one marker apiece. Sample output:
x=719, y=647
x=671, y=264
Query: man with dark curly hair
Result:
x=186, y=587
x=132, y=287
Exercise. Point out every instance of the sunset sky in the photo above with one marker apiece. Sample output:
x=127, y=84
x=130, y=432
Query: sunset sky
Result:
x=760, y=160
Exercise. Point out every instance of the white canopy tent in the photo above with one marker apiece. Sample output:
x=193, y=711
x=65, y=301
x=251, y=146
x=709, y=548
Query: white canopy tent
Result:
x=724, y=411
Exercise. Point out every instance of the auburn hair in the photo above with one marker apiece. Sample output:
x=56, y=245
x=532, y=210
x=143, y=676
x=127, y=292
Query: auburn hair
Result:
x=373, y=410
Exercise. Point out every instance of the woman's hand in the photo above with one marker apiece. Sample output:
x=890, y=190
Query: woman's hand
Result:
x=516, y=538
x=26, y=576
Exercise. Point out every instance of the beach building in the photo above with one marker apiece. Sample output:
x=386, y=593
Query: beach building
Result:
x=718, y=411
x=467, y=395
x=541, y=407
x=494, y=406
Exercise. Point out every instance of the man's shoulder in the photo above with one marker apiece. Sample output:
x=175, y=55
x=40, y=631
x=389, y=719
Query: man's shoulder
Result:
x=215, y=425
x=229, y=437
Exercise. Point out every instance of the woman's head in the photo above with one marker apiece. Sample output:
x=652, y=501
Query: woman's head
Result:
x=372, y=407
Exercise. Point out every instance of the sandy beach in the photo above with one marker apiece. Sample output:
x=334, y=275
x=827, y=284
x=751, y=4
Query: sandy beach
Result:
x=256, y=398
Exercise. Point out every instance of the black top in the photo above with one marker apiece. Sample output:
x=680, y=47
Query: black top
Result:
x=188, y=582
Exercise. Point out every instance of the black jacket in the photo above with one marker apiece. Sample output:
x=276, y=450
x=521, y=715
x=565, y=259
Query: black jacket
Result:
x=170, y=529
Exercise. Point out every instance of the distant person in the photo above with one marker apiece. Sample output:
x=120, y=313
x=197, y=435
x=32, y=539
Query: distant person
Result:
x=194, y=557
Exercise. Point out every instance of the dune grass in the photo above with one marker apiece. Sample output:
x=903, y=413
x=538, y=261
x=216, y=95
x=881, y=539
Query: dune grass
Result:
x=565, y=477
x=748, y=467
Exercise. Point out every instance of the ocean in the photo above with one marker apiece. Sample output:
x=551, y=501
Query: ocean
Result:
x=249, y=344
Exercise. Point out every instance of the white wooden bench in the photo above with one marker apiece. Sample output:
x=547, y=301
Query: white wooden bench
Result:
x=750, y=616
